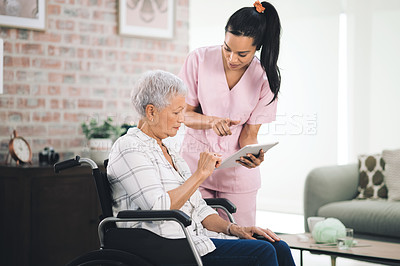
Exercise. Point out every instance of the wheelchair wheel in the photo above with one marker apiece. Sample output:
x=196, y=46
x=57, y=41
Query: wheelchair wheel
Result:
x=108, y=257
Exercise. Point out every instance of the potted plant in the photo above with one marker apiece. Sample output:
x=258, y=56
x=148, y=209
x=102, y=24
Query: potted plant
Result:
x=100, y=137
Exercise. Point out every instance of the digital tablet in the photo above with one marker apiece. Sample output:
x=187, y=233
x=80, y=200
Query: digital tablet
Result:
x=253, y=149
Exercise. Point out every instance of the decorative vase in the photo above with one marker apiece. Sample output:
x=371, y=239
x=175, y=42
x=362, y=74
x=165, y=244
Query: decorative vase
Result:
x=99, y=149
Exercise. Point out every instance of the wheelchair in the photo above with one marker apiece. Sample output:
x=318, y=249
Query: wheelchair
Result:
x=137, y=246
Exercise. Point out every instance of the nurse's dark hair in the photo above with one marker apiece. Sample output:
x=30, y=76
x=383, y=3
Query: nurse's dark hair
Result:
x=265, y=29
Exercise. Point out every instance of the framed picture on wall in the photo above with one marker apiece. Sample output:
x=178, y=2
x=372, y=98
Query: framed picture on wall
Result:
x=147, y=18
x=25, y=14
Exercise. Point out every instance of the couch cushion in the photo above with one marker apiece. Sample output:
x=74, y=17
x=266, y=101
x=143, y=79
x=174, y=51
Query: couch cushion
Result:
x=371, y=184
x=375, y=217
x=392, y=159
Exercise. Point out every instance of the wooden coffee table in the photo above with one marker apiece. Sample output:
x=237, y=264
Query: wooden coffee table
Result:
x=365, y=250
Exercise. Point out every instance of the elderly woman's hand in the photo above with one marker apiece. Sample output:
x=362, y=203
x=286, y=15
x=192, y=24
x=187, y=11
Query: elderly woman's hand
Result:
x=208, y=162
x=221, y=126
x=248, y=232
x=252, y=161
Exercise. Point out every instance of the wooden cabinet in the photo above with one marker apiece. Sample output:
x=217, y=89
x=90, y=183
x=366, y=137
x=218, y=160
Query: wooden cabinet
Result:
x=47, y=218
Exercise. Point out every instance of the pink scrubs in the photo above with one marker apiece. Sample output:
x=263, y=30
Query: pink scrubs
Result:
x=248, y=101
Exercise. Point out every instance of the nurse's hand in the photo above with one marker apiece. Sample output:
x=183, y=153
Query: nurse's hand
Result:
x=221, y=126
x=251, y=160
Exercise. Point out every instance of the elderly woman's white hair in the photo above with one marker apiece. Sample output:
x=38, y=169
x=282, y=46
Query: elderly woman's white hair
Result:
x=155, y=87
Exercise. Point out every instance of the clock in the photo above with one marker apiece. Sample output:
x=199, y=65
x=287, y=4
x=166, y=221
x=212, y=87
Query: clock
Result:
x=19, y=149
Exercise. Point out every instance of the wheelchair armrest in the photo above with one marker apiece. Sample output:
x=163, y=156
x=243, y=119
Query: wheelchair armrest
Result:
x=157, y=215
x=221, y=202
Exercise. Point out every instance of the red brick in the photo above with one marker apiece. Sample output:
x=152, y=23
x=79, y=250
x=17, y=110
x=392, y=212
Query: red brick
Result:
x=46, y=63
x=81, y=52
x=30, y=103
x=72, y=38
x=16, y=61
x=46, y=116
x=111, y=55
x=15, y=89
x=104, y=41
x=32, y=130
x=92, y=53
x=55, y=104
x=69, y=104
x=110, y=4
x=104, y=16
x=6, y=131
x=39, y=144
x=6, y=102
x=69, y=78
x=91, y=27
x=94, y=3
x=111, y=105
x=90, y=79
x=3, y=115
x=61, y=51
x=183, y=3
x=56, y=77
x=71, y=117
x=61, y=78
x=74, y=143
x=8, y=75
x=74, y=92
x=46, y=90
x=15, y=116
x=65, y=25
x=73, y=65
x=8, y=47
x=63, y=130
x=93, y=104
x=54, y=90
x=23, y=34
x=53, y=9
x=36, y=49
x=46, y=37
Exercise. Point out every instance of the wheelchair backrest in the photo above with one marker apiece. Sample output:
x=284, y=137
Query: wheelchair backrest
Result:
x=104, y=192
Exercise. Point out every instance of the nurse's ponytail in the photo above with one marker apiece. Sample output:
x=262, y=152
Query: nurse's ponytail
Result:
x=261, y=23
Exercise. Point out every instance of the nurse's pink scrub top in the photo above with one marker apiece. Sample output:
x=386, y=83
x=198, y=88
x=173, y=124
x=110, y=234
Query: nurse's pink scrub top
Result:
x=203, y=73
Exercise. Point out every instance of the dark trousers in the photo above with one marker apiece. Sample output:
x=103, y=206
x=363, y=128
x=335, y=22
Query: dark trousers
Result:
x=247, y=252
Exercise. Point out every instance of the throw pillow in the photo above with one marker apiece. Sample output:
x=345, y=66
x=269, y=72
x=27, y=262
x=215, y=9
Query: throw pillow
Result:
x=371, y=177
x=392, y=173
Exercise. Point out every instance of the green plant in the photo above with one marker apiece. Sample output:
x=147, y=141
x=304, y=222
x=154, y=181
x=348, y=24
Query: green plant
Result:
x=125, y=127
x=95, y=130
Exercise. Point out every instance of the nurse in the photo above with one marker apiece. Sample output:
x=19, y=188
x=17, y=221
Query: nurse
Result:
x=231, y=93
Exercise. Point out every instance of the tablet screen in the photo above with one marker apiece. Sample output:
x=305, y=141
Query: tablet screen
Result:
x=253, y=149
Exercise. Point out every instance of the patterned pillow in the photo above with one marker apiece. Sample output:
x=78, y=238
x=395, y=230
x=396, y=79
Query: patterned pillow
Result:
x=392, y=173
x=371, y=177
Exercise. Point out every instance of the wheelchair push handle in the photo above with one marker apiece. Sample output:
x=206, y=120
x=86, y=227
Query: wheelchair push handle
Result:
x=66, y=164
x=77, y=161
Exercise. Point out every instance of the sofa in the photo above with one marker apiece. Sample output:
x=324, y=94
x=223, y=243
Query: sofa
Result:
x=331, y=191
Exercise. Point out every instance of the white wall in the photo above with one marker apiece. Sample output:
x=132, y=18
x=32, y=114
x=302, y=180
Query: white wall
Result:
x=374, y=75
x=307, y=118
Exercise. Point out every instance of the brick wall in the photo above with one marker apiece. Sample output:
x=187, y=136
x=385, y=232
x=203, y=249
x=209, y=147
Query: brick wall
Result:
x=77, y=69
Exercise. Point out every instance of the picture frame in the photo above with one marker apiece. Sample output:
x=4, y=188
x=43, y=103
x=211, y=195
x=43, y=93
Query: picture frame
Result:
x=24, y=14
x=147, y=18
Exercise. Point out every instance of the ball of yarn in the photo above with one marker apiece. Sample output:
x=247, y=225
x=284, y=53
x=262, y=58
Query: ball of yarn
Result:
x=328, y=231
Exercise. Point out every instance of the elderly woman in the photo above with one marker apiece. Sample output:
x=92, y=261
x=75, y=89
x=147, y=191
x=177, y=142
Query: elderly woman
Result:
x=146, y=174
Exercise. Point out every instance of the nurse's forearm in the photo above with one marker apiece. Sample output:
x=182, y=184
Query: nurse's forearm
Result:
x=248, y=135
x=198, y=121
